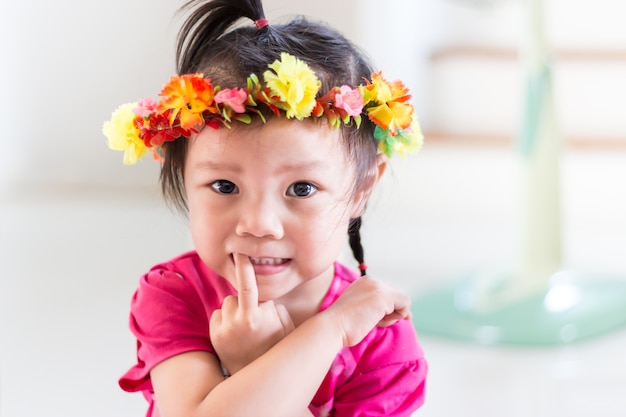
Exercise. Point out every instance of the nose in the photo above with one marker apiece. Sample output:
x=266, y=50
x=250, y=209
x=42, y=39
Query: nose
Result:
x=260, y=217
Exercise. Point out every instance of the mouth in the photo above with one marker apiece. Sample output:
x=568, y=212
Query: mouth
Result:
x=268, y=261
x=267, y=265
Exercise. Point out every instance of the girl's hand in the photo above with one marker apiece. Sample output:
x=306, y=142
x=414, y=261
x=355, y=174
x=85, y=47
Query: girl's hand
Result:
x=366, y=304
x=243, y=329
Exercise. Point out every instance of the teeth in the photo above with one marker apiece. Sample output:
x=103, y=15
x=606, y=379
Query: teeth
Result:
x=267, y=261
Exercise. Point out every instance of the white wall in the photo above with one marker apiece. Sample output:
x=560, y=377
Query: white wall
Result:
x=68, y=63
x=481, y=94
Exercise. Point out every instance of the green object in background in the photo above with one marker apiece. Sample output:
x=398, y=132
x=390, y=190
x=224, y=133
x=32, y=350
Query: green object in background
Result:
x=569, y=310
x=537, y=86
x=531, y=306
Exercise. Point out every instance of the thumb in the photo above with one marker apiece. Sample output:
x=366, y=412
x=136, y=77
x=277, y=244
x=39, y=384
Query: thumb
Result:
x=215, y=321
x=285, y=318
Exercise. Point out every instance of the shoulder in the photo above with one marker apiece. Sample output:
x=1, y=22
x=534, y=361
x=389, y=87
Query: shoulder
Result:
x=185, y=272
x=342, y=280
x=385, y=374
x=185, y=265
x=389, y=345
x=345, y=274
x=182, y=287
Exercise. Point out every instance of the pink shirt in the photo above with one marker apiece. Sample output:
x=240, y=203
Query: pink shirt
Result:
x=384, y=375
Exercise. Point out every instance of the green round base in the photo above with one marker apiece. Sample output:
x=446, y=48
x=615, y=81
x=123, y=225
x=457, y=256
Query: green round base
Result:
x=565, y=311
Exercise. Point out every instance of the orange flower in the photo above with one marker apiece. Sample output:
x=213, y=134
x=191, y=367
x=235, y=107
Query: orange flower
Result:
x=388, y=107
x=187, y=97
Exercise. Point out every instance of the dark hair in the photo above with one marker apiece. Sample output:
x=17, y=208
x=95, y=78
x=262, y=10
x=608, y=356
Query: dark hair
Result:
x=213, y=41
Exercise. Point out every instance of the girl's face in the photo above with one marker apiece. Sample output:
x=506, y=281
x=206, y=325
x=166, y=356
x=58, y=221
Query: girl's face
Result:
x=280, y=194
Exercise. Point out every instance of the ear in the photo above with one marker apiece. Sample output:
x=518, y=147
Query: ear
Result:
x=360, y=199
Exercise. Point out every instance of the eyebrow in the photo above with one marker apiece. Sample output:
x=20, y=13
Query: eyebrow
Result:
x=221, y=166
x=303, y=166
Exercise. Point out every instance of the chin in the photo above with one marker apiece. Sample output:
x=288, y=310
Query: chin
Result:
x=270, y=295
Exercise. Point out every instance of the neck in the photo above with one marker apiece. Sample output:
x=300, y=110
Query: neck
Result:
x=305, y=300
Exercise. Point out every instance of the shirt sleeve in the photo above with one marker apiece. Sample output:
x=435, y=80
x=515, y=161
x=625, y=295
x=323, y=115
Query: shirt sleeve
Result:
x=389, y=379
x=167, y=318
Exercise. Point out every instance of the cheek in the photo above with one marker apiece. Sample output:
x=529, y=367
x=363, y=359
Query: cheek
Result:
x=200, y=237
x=326, y=224
x=208, y=239
x=206, y=231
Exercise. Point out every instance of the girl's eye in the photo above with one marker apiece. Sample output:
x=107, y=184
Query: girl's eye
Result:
x=301, y=189
x=224, y=187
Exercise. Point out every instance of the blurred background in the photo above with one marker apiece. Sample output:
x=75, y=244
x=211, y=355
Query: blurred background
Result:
x=77, y=228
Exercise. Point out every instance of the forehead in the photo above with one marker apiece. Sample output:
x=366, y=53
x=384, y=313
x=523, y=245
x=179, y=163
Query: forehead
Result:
x=279, y=142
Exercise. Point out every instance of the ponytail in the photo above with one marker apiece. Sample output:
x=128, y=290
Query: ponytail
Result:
x=207, y=22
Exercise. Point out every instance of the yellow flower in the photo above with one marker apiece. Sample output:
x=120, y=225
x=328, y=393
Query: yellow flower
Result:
x=295, y=84
x=123, y=135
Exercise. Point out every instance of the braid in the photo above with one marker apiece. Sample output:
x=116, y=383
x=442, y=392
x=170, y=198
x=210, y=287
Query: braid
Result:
x=354, y=238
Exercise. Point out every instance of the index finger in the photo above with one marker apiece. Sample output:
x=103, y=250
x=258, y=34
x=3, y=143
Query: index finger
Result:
x=246, y=283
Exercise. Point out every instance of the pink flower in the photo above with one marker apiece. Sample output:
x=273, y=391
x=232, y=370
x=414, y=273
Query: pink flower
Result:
x=145, y=107
x=234, y=98
x=350, y=100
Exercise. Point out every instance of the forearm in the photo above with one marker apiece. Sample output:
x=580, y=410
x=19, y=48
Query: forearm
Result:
x=283, y=381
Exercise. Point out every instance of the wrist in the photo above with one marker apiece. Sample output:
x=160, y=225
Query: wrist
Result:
x=330, y=322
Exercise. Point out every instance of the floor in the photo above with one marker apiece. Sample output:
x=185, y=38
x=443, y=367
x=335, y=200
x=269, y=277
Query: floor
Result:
x=71, y=257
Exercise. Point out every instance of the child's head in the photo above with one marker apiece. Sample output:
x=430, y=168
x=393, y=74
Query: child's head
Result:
x=205, y=45
x=238, y=77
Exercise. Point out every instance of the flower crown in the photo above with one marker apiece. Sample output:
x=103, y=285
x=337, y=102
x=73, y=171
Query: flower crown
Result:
x=191, y=101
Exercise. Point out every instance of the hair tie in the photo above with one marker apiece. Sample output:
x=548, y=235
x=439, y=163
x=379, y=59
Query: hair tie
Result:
x=261, y=23
x=363, y=268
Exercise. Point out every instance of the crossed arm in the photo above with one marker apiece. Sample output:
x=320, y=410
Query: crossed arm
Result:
x=276, y=368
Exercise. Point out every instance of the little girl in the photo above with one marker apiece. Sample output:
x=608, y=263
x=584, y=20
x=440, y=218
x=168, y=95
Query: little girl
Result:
x=271, y=139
